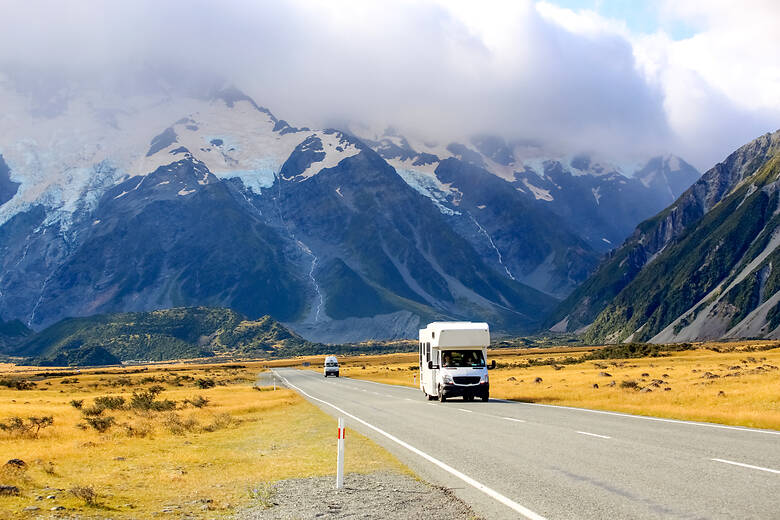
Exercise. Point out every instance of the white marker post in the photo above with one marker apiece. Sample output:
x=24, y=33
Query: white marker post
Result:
x=340, y=456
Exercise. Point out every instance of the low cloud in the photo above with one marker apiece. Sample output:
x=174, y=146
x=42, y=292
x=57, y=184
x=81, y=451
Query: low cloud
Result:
x=437, y=69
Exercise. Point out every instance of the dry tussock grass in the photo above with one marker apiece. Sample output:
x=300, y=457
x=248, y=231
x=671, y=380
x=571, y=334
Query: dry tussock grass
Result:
x=147, y=459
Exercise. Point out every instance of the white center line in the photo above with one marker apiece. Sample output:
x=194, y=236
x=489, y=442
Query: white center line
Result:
x=464, y=410
x=595, y=435
x=747, y=465
x=513, y=419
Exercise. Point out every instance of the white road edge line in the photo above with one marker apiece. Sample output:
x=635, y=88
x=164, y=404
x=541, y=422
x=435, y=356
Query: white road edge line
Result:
x=512, y=419
x=594, y=435
x=464, y=410
x=747, y=465
x=645, y=417
x=527, y=513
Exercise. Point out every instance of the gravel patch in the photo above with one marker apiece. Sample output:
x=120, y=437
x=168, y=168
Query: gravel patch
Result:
x=379, y=495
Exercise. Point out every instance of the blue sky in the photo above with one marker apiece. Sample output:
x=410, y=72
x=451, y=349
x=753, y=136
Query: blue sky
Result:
x=640, y=16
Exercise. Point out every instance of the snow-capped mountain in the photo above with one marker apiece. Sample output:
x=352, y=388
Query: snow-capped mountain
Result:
x=600, y=201
x=169, y=198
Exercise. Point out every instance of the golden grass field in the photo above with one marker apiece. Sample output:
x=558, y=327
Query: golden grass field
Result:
x=734, y=383
x=186, y=461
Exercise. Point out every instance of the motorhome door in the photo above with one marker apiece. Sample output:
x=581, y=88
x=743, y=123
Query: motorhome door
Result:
x=428, y=374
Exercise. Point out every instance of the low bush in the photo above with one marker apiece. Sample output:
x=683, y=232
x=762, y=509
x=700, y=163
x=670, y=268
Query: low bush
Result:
x=263, y=494
x=92, y=411
x=198, y=401
x=178, y=425
x=101, y=424
x=17, y=384
x=220, y=422
x=110, y=402
x=85, y=493
x=147, y=401
x=203, y=384
x=32, y=427
x=77, y=403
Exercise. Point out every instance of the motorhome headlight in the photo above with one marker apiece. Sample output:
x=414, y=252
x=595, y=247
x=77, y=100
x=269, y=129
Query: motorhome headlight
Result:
x=447, y=379
x=484, y=378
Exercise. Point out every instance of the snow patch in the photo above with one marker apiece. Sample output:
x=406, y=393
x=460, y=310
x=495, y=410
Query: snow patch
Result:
x=336, y=148
x=673, y=162
x=539, y=193
x=430, y=186
x=185, y=191
x=596, y=194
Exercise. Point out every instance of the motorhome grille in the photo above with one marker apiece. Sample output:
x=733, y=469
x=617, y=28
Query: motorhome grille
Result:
x=466, y=380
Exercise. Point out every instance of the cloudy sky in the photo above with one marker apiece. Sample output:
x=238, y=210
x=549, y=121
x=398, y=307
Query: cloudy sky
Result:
x=697, y=78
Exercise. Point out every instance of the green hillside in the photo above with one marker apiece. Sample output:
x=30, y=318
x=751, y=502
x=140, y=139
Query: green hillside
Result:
x=162, y=335
x=12, y=333
x=701, y=264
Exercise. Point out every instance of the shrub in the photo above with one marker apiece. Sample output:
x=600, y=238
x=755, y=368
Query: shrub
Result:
x=629, y=384
x=146, y=401
x=220, y=422
x=263, y=494
x=48, y=468
x=17, y=384
x=198, y=401
x=205, y=383
x=77, y=403
x=101, y=424
x=85, y=493
x=110, y=402
x=178, y=426
x=92, y=411
x=32, y=427
x=142, y=429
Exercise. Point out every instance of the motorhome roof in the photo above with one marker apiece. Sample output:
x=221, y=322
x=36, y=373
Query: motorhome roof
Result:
x=457, y=325
x=465, y=334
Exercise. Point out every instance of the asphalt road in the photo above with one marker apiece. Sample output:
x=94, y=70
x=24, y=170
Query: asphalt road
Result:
x=522, y=460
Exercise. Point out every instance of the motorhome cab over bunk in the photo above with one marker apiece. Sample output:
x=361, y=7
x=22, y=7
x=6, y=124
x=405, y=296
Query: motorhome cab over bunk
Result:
x=453, y=360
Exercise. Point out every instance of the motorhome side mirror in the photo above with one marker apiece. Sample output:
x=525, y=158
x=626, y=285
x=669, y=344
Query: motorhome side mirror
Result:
x=492, y=365
x=430, y=365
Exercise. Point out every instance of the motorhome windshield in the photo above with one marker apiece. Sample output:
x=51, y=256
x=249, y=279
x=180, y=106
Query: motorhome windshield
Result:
x=462, y=358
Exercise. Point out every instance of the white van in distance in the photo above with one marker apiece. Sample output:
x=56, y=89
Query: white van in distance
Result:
x=331, y=367
x=453, y=360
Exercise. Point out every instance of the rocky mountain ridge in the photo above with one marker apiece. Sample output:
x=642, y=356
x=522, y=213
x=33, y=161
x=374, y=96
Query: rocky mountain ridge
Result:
x=700, y=269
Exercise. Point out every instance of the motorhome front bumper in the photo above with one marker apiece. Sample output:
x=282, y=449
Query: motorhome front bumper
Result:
x=453, y=390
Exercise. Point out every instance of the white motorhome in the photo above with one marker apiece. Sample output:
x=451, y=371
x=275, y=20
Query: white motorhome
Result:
x=331, y=366
x=453, y=360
